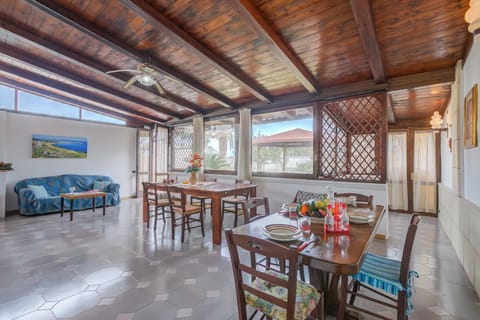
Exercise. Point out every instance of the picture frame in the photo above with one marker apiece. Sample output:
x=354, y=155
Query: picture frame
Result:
x=470, y=118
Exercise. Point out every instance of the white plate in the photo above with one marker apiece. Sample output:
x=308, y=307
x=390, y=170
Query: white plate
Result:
x=357, y=219
x=281, y=231
x=269, y=236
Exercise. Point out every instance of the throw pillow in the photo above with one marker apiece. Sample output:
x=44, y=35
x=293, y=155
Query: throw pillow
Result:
x=100, y=185
x=38, y=191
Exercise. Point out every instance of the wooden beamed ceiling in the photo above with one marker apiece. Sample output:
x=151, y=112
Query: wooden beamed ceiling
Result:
x=211, y=57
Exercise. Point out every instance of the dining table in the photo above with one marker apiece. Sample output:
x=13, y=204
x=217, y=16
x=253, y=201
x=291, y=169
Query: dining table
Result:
x=333, y=257
x=213, y=190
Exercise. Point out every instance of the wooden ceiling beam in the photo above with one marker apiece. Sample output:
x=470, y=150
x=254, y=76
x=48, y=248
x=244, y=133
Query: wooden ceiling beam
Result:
x=362, y=12
x=390, y=113
x=446, y=75
x=264, y=30
x=58, y=85
x=177, y=34
x=82, y=61
x=75, y=22
x=132, y=120
x=30, y=60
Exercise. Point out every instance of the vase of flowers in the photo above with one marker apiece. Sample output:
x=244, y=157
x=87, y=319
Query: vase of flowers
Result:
x=5, y=166
x=194, y=167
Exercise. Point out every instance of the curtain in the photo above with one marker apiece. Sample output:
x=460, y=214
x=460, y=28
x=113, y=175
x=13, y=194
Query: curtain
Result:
x=397, y=171
x=424, y=172
x=198, y=137
x=244, y=164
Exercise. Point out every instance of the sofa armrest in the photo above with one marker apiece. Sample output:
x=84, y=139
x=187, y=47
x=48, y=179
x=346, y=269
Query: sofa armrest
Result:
x=114, y=188
x=25, y=195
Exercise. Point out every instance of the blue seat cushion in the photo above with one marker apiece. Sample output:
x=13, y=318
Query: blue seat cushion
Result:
x=384, y=273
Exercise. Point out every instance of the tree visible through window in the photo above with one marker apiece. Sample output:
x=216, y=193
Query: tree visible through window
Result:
x=220, y=144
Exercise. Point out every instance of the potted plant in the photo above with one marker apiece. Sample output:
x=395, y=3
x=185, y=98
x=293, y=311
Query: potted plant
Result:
x=5, y=166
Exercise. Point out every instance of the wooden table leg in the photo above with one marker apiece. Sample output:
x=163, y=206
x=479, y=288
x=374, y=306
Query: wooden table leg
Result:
x=343, y=297
x=216, y=219
x=93, y=209
x=72, y=202
x=62, y=204
x=104, y=204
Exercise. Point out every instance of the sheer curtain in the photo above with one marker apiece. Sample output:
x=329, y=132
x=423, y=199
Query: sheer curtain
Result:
x=424, y=173
x=397, y=171
x=198, y=137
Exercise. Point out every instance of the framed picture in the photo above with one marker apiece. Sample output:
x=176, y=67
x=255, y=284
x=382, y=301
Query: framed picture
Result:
x=470, y=118
x=44, y=146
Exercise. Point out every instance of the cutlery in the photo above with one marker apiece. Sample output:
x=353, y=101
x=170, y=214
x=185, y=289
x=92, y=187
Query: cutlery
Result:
x=306, y=243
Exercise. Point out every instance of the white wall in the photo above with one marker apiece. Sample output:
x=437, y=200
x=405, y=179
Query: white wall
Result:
x=111, y=151
x=471, y=76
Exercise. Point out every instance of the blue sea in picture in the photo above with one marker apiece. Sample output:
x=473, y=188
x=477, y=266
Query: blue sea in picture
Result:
x=41, y=149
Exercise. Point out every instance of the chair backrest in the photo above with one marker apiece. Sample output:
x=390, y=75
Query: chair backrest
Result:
x=407, y=249
x=151, y=193
x=302, y=196
x=361, y=199
x=175, y=205
x=251, y=203
x=243, y=271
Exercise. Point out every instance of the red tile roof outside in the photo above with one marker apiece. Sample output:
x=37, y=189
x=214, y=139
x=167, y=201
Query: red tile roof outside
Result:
x=294, y=135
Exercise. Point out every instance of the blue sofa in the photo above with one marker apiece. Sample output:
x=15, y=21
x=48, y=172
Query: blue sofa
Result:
x=42, y=195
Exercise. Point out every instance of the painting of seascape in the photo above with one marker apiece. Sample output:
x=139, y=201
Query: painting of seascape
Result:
x=44, y=146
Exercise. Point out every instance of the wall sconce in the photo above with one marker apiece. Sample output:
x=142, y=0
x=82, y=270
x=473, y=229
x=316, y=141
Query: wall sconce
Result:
x=472, y=16
x=436, y=121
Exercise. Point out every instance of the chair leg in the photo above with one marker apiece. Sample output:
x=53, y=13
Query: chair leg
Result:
x=184, y=220
x=172, y=218
x=202, y=214
x=156, y=218
x=163, y=214
x=148, y=217
x=356, y=286
x=236, y=216
x=401, y=305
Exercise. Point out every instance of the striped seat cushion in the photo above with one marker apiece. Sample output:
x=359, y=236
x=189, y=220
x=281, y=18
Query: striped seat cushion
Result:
x=384, y=273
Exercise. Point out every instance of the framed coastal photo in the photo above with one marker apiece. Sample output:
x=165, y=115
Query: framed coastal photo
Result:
x=470, y=118
x=44, y=146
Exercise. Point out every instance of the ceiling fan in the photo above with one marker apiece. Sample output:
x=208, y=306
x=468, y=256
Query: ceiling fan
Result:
x=143, y=74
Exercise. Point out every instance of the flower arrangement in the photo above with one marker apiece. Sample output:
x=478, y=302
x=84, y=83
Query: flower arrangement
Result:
x=5, y=166
x=313, y=208
x=195, y=163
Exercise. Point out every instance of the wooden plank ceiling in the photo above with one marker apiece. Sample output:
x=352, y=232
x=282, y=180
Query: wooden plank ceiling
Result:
x=209, y=56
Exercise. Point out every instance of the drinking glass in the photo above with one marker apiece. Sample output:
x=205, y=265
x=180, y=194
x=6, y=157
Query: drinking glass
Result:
x=71, y=189
x=305, y=224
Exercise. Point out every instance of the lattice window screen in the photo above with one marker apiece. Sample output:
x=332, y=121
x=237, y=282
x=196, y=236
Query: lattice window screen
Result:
x=182, y=146
x=353, y=139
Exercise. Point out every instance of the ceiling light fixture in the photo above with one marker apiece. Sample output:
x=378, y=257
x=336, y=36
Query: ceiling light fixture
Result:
x=436, y=121
x=146, y=80
x=472, y=16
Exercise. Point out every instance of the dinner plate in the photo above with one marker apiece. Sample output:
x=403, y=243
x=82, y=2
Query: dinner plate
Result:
x=357, y=219
x=271, y=237
x=281, y=231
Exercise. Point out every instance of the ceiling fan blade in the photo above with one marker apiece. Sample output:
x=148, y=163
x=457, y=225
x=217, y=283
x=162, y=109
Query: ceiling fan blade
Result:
x=123, y=70
x=160, y=88
x=130, y=82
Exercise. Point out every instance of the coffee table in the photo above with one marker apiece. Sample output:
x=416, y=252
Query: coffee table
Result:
x=81, y=195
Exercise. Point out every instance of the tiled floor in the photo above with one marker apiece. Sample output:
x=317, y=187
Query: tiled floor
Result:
x=114, y=268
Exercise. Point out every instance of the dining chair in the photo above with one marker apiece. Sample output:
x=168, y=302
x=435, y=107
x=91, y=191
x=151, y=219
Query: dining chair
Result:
x=186, y=212
x=277, y=295
x=157, y=200
x=362, y=200
x=393, y=277
x=256, y=202
x=204, y=202
x=233, y=204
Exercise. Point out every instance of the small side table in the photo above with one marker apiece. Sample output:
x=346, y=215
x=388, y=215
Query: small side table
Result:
x=81, y=195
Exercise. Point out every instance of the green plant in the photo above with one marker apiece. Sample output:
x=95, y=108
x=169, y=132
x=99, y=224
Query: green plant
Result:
x=215, y=162
x=5, y=166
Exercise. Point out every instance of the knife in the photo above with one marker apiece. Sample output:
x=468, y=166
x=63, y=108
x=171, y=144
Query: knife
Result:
x=306, y=243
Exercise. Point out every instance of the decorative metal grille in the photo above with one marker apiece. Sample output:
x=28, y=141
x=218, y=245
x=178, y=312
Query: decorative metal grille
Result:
x=182, y=146
x=353, y=139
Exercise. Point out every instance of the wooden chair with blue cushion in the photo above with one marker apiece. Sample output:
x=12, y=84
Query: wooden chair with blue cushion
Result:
x=391, y=276
x=276, y=295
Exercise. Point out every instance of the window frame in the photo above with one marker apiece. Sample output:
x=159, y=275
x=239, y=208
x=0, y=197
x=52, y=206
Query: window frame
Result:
x=172, y=153
x=236, y=117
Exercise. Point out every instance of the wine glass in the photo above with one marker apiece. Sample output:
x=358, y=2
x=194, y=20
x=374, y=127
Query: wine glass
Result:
x=71, y=189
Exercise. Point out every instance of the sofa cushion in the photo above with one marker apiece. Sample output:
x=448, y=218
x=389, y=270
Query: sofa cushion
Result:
x=38, y=191
x=100, y=185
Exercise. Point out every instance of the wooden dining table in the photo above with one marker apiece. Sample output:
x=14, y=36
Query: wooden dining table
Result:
x=333, y=258
x=214, y=190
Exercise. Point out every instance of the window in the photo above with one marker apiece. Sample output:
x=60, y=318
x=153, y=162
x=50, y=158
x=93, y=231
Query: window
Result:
x=182, y=146
x=220, y=144
x=36, y=104
x=282, y=142
x=94, y=116
x=7, y=98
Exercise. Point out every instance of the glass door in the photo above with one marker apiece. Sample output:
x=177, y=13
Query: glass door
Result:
x=143, y=159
